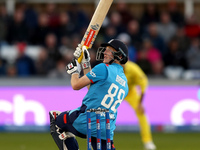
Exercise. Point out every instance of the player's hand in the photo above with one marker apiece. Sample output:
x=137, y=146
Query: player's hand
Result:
x=140, y=109
x=86, y=58
x=73, y=67
x=78, y=51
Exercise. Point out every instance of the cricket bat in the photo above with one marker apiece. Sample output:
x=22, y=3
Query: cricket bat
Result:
x=95, y=24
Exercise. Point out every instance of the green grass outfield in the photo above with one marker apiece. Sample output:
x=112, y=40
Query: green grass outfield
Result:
x=123, y=141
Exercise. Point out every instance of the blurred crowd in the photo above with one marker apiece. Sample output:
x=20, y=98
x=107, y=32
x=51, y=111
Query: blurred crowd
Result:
x=163, y=43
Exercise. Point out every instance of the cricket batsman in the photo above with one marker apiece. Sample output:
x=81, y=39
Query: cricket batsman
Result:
x=107, y=88
x=137, y=79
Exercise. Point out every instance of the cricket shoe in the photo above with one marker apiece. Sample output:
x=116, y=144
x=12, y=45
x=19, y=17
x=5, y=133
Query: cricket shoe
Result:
x=61, y=134
x=54, y=113
x=149, y=146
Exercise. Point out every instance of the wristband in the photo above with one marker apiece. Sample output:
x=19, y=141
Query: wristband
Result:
x=85, y=65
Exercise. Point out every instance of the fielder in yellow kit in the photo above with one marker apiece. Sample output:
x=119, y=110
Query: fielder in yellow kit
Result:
x=137, y=83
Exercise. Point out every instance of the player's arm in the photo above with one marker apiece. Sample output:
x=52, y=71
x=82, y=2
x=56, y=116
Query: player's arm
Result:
x=74, y=69
x=141, y=80
x=141, y=98
x=78, y=83
x=84, y=59
x=143, y=86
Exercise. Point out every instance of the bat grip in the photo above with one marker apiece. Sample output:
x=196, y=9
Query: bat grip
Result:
x=80, y=58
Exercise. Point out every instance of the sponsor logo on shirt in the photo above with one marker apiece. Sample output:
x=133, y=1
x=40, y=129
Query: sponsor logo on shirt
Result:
x=92, y=74
x=120, y=80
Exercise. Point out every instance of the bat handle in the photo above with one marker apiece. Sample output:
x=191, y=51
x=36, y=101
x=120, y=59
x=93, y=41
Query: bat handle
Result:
x=80, y=58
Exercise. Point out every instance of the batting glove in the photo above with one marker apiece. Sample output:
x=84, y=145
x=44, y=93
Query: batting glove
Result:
x=73, y=67
x=85, y=62
x=78, y=51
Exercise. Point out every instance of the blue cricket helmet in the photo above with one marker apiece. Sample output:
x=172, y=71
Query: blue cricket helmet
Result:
x=122, y=51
